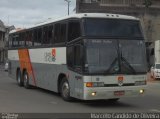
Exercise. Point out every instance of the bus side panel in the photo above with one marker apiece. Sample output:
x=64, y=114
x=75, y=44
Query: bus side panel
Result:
x=77, y=83
x=13, y=68
x=13, y=63
x=47, y=78
x=47, y=64
x=47, y=75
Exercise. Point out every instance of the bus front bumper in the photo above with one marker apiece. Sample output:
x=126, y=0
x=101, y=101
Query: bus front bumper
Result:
x=99, y=93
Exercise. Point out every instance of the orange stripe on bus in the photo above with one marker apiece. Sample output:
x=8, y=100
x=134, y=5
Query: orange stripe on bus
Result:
x=25, y=63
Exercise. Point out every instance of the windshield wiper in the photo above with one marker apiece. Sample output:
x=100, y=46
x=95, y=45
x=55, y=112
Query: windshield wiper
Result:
x=128, y=64
x=111, y=66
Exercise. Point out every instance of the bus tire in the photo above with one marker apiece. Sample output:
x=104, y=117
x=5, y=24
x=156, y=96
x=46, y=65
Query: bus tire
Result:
x=26, y=80
x=19, y=78
x=114, y=100
x=65, y=89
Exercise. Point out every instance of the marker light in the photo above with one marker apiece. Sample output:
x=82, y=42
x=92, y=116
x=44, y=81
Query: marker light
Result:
x=89, y=84
x=93, y=93
x=95, y=84
x=120, y=78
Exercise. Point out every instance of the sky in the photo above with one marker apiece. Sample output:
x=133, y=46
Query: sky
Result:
x=26, y=13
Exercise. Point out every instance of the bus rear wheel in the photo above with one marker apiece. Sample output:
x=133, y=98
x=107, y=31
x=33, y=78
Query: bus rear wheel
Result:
x=26, y=80
x=65, y=89
x=19, y=78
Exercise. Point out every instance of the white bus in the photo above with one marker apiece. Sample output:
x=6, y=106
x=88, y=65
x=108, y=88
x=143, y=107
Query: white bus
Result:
x=88, y=56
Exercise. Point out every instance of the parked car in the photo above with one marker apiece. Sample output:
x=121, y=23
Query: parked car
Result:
x=6, y=66
x=155, y=71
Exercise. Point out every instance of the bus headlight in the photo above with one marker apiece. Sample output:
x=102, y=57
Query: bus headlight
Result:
x=140, y=83
x=93, y=93
x=95, y=84
x=141, y=91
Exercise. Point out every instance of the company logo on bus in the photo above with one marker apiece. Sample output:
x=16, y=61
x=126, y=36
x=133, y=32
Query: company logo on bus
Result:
x=120, y=80
x=50, y=56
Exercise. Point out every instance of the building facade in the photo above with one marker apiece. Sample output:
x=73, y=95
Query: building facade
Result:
x=2, y=42
x=147, y=10
x=4, y=34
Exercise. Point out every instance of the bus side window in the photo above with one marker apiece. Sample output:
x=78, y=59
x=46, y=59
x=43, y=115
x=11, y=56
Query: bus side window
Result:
x=35, y=37
x=78, y=57
x=39, y=36
x=52, y=39
x=10, y=41
x=60, y=33
x=57, y=33
x=74, y=57
x=70, y=56
x=17, y=38
x=74, y=30
x=63, y=33
x=31, y=38
x=15, y=41
x=27, y=38
x=45, y=40
x=22, y=39
x=50, y=34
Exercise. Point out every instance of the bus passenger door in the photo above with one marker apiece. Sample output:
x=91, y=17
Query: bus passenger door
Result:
x=78, y=58
x=75, y=63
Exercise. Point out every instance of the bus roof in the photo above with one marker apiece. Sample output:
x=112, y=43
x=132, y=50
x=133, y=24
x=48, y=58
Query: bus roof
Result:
x=83, y=15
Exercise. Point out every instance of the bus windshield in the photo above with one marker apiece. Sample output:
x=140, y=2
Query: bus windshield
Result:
x=115, y=57
x=112, y=27
x=100, y=55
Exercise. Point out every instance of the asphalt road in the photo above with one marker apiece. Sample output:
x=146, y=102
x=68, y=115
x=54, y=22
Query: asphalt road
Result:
x=20, y=100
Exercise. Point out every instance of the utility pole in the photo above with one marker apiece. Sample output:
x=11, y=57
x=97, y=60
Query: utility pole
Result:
x=68, y=1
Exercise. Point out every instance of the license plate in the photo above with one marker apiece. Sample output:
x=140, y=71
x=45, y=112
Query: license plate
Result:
x=119, y=93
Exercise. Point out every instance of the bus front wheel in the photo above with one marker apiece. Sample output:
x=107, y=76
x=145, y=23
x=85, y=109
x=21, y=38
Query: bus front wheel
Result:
x=65, y=89
x=26, y=80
